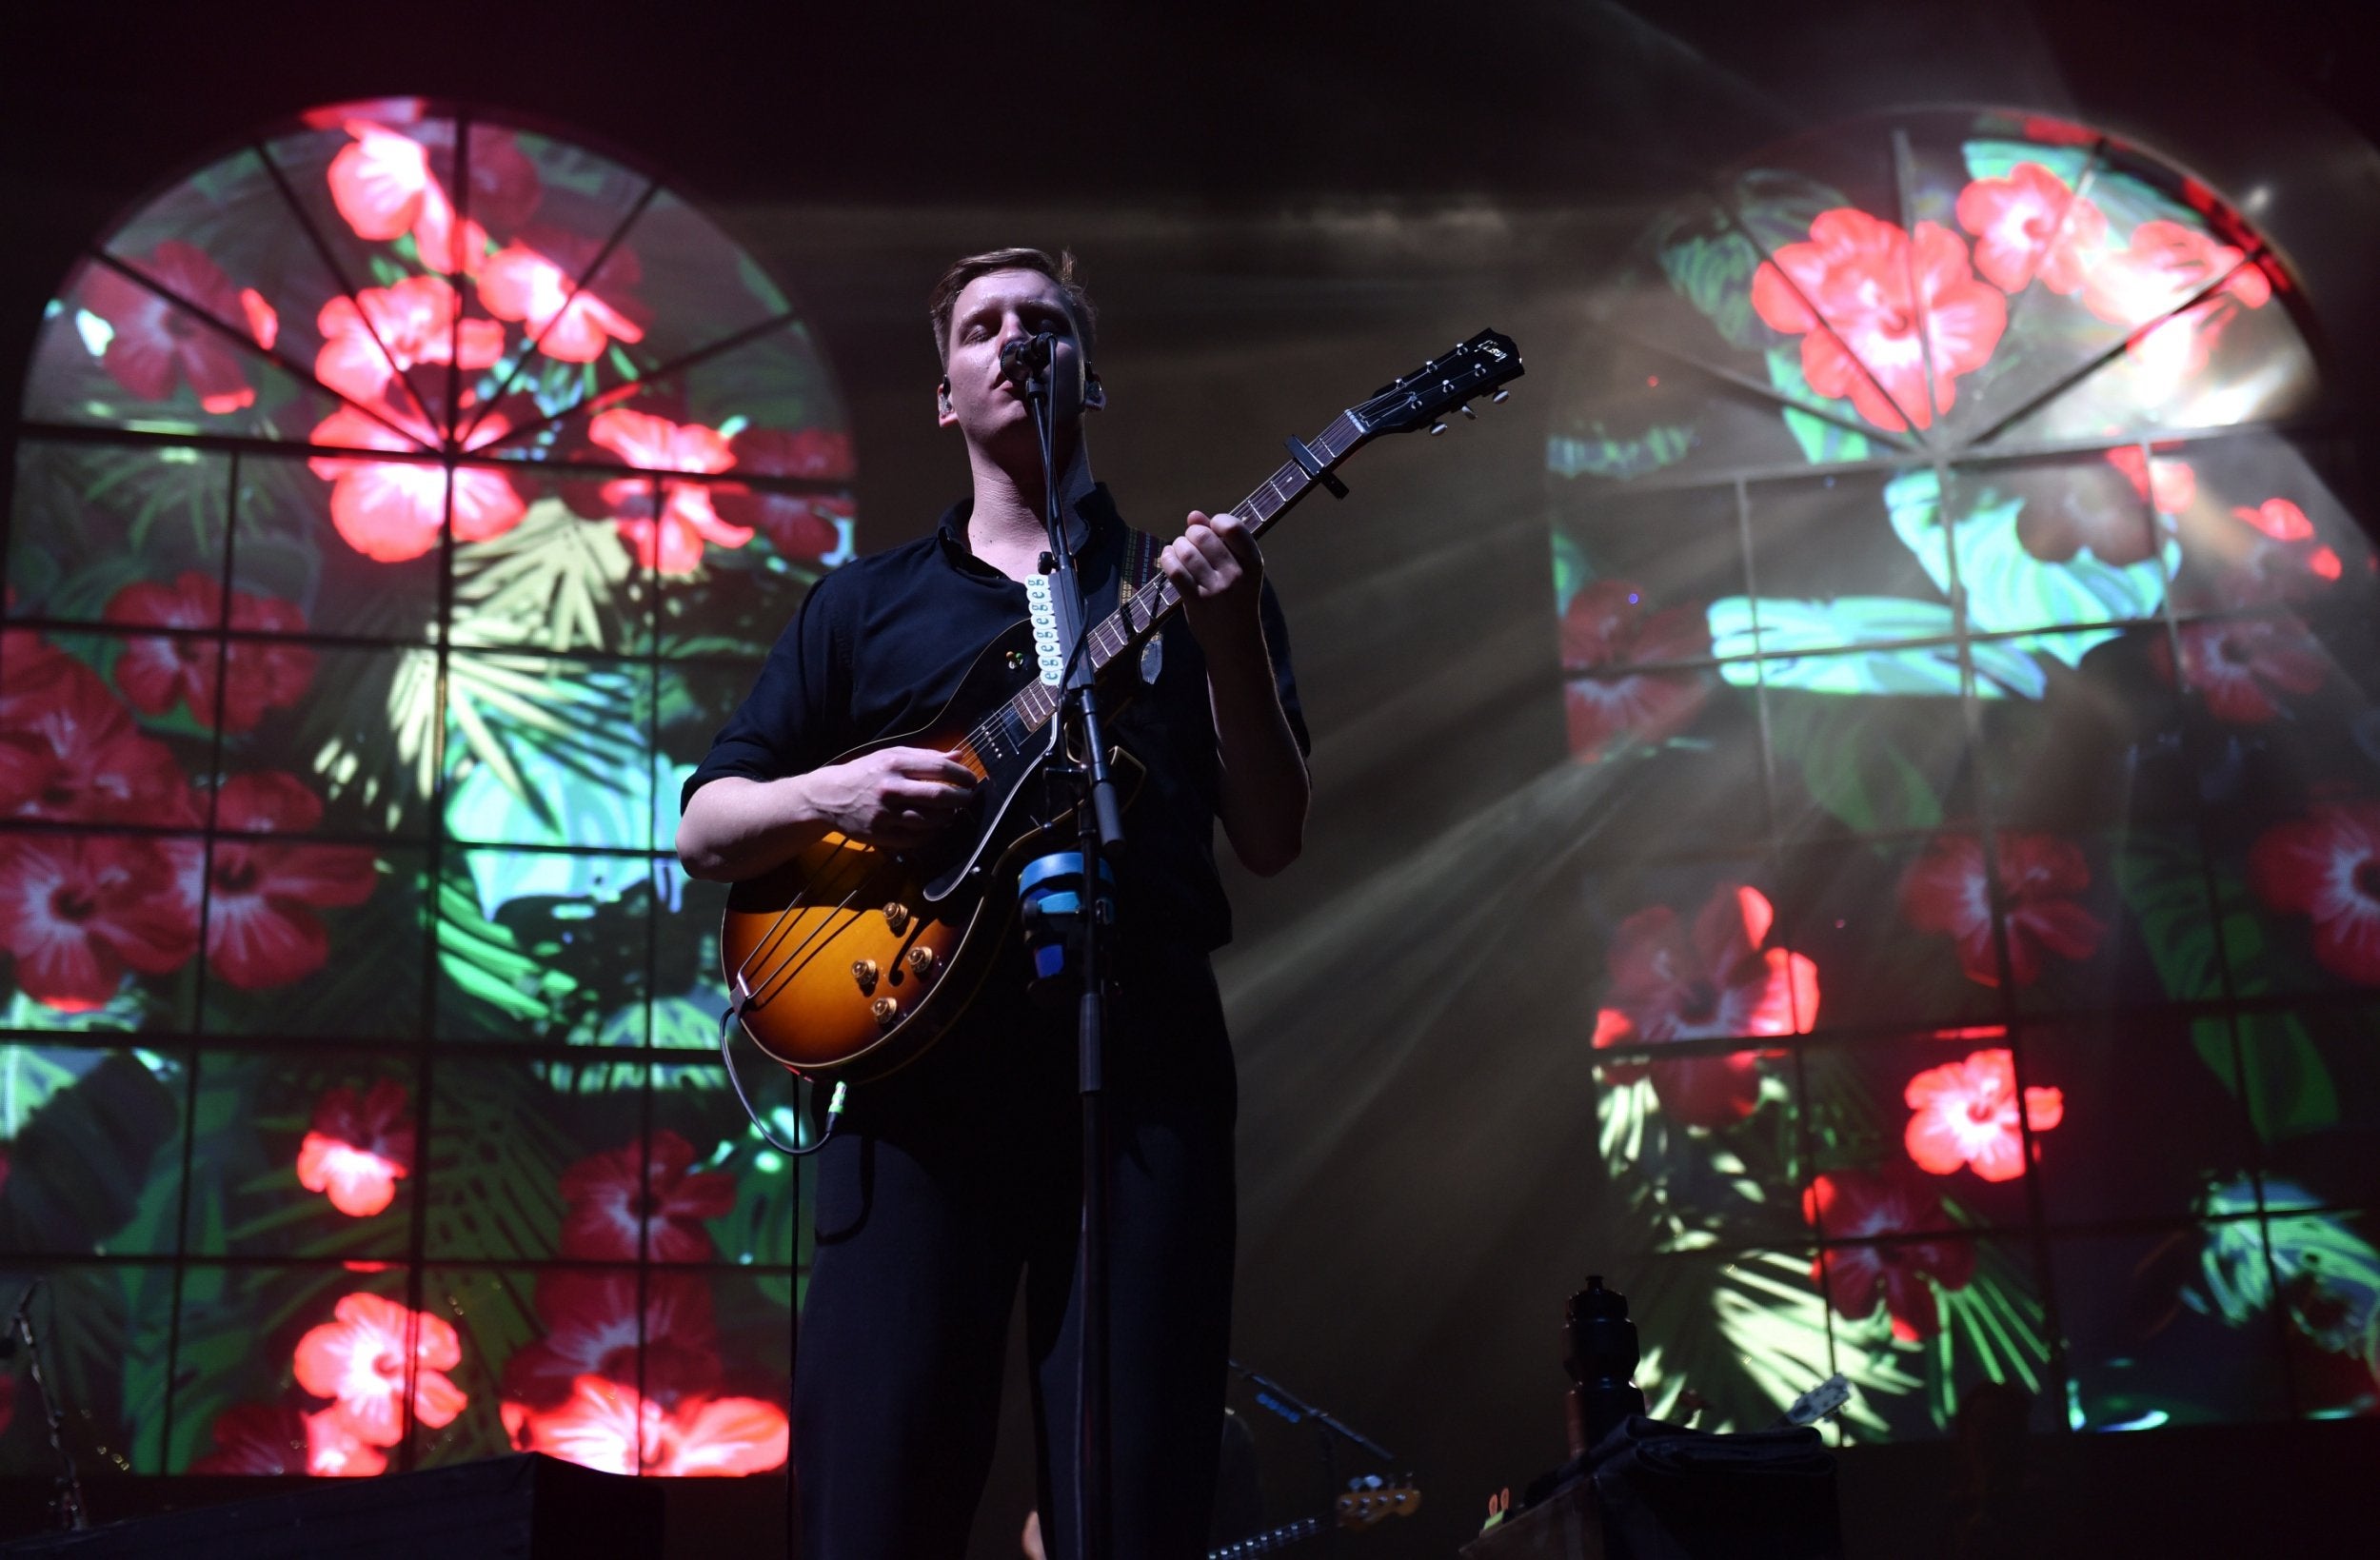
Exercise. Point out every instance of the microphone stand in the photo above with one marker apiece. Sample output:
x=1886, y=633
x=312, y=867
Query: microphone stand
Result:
x=1271, y=1394
x=1100, y=830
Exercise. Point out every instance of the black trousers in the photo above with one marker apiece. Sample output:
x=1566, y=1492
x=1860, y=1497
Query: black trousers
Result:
x=954, y=1178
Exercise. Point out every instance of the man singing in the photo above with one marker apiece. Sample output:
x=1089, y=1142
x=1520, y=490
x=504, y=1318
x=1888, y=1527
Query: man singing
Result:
x=957, y=1174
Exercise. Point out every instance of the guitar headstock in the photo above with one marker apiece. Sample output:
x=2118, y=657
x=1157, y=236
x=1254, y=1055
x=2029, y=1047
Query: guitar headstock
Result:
x=1819, y=1401
x=1371, y=1500
x=1423, y=399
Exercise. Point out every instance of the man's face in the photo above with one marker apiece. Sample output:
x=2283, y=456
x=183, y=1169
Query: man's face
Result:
x=990, y=311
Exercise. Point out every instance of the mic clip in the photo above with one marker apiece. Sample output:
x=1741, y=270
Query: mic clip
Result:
x=1027, y=357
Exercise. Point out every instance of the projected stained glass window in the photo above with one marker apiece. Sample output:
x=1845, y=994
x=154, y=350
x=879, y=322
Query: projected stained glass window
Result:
x=401, y=502
x=1964, y=610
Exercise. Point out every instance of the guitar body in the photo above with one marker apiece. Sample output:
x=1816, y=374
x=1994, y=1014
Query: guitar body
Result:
x=852, y=960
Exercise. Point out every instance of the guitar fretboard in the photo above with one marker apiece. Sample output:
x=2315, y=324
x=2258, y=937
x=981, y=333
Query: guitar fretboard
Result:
x=1008, y=729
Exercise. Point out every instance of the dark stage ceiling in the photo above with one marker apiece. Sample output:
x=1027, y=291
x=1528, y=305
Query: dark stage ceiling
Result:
x=1200, y=108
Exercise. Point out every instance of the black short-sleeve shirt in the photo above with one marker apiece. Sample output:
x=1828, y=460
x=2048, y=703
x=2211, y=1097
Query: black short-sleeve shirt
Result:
x=881, y=645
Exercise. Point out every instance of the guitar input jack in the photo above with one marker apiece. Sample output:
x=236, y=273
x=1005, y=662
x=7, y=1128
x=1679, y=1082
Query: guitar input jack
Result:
x=834, y=1103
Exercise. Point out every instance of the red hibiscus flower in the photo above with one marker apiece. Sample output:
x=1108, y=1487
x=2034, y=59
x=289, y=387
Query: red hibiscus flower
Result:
x=608, y=1427
x=567, y=322
x=2241, y=665
x=79, y=912
x=614, y=1196
x=156, y=343
x=2030, y=224
x=70, y=753
x=1967, y=1116
x=360, y=1359
x=1846, y=293
x=1669, y=983
x=263, y=322
x=798, y=525
x=1608, y=627
x=2285, y=561
x=391, y=510
x=335, y=1451
x=382, y=184
x=2065, y=511
x=381, y=332
x=157, y=673
x=358, y=1149
x=1857, y=1204
x=674, y=544
x=2165, y=264
x=261, y=893
x=274, y=1438
x=2327, y=865
x=1945, y=891
x=593, y=1327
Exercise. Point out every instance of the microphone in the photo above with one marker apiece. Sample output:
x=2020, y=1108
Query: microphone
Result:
x=1026, y=356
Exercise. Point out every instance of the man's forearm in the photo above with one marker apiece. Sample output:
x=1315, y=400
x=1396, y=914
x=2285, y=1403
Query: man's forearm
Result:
x=736, y=828
x=1265, y=788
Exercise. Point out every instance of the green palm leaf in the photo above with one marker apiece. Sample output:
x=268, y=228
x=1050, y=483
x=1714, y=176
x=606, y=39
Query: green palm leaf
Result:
x=552, y=582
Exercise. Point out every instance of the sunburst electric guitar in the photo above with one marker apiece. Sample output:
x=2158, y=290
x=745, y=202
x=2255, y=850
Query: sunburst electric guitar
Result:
x=850, y=961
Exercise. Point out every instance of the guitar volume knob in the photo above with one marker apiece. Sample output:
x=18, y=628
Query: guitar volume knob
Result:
x=863, y=971
x=897, y=917
x=885, y=1009
x=921, y=961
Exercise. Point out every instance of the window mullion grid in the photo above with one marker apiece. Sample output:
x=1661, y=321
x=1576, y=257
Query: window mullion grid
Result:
x=425, y=1072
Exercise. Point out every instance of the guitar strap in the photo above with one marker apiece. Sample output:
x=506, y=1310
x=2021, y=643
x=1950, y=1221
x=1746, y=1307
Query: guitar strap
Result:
x=1140, y=550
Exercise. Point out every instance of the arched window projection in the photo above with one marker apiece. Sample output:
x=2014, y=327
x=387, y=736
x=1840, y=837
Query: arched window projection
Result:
x=1963, y=602
x=401, y=503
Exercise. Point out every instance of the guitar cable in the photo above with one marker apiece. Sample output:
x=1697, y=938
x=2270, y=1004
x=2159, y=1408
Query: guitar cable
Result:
x=834, y=1103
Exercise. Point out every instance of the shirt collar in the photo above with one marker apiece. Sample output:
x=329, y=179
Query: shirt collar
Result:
x=1092, y=526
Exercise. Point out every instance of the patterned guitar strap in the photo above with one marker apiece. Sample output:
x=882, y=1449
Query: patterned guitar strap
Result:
x=1139, y=567
x=1140, y=550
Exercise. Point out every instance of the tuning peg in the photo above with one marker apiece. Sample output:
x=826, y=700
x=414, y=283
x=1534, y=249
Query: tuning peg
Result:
x=1469, y=413
x=1437, y=428
x=1501, y=396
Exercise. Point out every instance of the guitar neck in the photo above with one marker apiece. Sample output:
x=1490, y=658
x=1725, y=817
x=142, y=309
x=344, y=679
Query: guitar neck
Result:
x=1145, y=611
x=1154, y=603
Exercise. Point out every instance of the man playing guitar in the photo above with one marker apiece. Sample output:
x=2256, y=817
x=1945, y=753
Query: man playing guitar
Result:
x=960, y=1173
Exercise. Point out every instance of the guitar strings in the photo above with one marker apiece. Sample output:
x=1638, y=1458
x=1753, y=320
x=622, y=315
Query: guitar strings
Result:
x=778, y=924
x=784, y=973
x=788, y=921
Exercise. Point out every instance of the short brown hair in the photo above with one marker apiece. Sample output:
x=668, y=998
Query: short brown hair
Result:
x=1062, y=270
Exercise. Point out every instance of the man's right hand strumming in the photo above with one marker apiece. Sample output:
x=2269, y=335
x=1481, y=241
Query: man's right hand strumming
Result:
x=893, y=798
